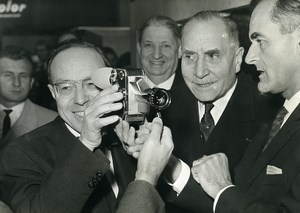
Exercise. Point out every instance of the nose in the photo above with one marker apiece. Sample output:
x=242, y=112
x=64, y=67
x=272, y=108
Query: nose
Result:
x=80, y=96
x=200, y=70
x=157, y=52
x=252, y=56
x=16, y=81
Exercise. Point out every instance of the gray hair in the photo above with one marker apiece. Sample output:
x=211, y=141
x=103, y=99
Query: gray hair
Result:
x=230, y=25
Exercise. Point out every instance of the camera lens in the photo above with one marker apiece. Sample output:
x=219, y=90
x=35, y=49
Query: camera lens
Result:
x=159, y=98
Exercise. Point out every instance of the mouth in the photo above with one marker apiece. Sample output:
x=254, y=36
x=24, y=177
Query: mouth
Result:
x=204, y=85
x=80, y=114
x=156, y=62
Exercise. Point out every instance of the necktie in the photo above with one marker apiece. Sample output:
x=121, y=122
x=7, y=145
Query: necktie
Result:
x=6, y=122
x=207, y=122
x=276, y=125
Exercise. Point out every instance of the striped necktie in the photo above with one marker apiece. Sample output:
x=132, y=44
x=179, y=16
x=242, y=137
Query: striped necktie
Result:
x=276, y=125
x=207, y=122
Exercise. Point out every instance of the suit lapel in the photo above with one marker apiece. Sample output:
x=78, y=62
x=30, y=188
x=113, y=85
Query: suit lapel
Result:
x=236, y=113
x=291, y=126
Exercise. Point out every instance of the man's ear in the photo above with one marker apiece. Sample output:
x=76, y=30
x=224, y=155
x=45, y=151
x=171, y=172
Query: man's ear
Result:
x=179, y=52
x=297, y=34
x=138, y=47
x=239, y=58
x=50, y=87
x=31, y=82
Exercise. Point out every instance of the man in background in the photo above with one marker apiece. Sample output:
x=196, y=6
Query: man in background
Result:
x=158, y=49
x=18, y=114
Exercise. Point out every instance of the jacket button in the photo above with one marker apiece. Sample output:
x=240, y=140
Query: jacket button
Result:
x=99, y=175
x=95, y=180
x=91, y=185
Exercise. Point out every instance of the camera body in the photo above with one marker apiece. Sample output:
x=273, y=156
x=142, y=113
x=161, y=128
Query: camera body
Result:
x=138, y=96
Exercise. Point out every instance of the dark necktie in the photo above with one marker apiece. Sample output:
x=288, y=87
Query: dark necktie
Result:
x=276, y=125
x=207, y=122
x=6, y=122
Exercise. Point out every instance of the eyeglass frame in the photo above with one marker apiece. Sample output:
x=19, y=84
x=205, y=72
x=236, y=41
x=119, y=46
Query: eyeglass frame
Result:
x=74, y=83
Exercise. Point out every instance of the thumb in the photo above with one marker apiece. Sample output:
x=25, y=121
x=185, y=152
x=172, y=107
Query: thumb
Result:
x=156, y=129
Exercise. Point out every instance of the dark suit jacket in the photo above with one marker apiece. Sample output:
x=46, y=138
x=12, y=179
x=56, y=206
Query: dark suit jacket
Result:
x=246, y=111
x=32, y=117
x=50, y=170
x=257, y=191
x=141, y=197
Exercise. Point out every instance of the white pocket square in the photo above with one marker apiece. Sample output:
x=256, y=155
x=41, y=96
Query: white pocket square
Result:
x=273, y=170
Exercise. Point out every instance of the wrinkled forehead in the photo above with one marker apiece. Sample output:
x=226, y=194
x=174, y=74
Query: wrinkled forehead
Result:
x=211, y=32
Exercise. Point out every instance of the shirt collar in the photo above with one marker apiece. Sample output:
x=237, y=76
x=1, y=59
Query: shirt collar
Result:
x=219, y=105
x=164, y=85
x=73, y=131
x=16, y=111
x=292, y=103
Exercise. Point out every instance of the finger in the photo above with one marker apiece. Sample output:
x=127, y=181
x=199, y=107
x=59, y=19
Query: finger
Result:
x=109, y=90
x=136, y=155
x=101, y=122
x=156, y=129
x=132, y=149
x=130, y=137
x=199, y=161
x=141, y=139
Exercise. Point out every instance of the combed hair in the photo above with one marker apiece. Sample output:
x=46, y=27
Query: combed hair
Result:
x=286, y=13
x=161, y=21
x=15, y=53
x=230, y=25
x=73, y=44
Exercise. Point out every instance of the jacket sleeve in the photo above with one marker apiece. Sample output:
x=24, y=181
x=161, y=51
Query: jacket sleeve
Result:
x=235, y=200
x=49, y=181
x=141, y=196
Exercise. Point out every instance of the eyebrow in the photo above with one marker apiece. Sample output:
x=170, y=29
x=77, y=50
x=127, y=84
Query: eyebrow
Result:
x=68, y=81
x=254, y=35
x=212, y=51
x=185, y=51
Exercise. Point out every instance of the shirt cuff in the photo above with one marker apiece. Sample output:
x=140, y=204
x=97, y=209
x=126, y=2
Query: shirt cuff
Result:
x=183, y=178
x=218, y=196
x=88, y=145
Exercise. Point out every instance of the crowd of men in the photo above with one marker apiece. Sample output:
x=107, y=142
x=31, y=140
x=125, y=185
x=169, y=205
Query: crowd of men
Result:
x=223, y=145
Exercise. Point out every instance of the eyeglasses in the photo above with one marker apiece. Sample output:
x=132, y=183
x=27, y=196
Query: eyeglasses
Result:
x=67, y=88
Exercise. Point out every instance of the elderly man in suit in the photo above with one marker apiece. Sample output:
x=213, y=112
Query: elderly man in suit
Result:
x=75, y=163
x=226, y=111
x=15, y=83
x=268, y=177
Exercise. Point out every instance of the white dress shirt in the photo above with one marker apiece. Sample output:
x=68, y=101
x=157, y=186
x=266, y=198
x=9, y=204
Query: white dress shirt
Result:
x=164, y=85
x=16, y=112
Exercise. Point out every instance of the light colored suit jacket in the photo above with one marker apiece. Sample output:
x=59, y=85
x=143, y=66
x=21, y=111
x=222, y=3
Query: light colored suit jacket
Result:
x=32, y=116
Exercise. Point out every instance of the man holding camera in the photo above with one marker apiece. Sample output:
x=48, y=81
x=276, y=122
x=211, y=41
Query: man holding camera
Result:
x=75, y=163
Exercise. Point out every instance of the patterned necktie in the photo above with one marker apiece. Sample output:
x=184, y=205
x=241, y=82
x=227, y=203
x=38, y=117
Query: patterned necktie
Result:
x=6, y=122
x=276, y=125
x=207, y=122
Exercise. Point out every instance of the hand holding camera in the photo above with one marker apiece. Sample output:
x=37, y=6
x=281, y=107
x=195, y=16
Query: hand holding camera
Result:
x=138, y=96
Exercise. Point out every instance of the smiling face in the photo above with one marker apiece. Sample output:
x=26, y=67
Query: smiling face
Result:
x=159, y=50
x=74, y=64
x=15, y=81
x=276, y=56
x=210, y=60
